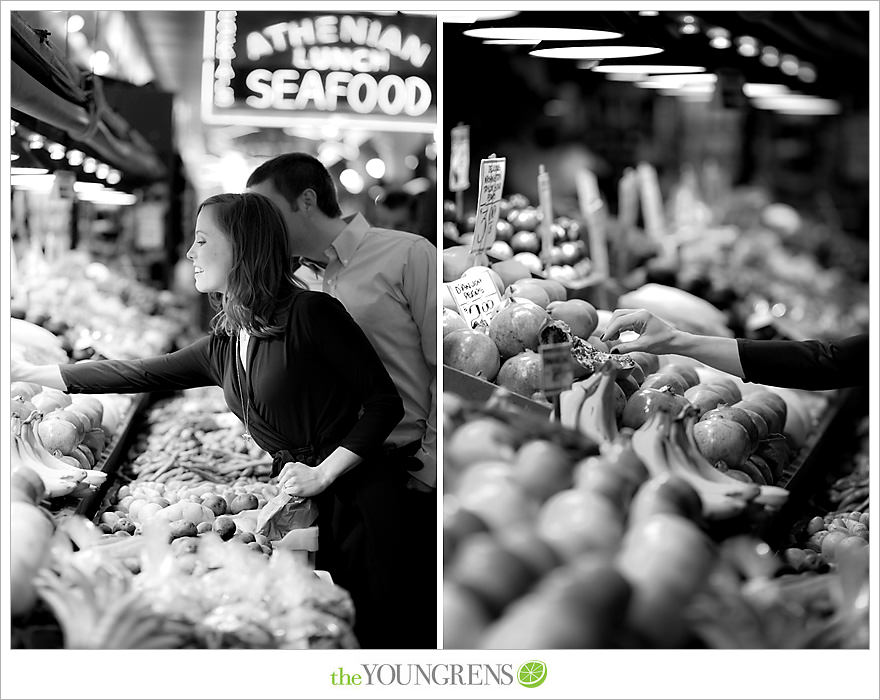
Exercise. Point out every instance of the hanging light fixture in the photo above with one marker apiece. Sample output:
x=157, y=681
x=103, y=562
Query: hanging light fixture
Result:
x=546, y=26
x=592, y=50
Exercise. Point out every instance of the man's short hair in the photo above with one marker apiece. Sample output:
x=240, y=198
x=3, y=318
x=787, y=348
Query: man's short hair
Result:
x=291, y=174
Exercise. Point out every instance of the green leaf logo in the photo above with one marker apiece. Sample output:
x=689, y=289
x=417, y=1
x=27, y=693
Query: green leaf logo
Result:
x=531, y=674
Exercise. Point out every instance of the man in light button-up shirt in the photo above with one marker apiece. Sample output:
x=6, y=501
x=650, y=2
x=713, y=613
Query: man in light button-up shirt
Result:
x=387, y=281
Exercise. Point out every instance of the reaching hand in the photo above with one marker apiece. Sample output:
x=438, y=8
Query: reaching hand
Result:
x=298, y=479
x=655, y=334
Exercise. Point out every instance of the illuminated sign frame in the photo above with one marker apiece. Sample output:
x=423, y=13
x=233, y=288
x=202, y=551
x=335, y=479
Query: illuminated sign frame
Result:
x=345, y=70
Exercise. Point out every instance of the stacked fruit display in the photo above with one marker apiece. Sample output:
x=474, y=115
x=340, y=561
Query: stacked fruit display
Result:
x=92, y=310
x=518, y=237
x=666, y=450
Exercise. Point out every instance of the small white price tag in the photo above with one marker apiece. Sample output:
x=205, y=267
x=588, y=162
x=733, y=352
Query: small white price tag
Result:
x=491, y=184
x=459, y=157
x=476, y=297
x=557, y=370
x=592, y=206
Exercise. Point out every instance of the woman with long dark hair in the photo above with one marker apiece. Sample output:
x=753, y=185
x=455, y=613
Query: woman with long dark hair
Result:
x=305, y=382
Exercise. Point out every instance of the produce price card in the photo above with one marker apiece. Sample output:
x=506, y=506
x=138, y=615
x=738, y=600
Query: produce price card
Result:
x=477, y=298
x=459, y=158
x=545, y=202
x=491, y=184
x=591, y=208
x=557, y=371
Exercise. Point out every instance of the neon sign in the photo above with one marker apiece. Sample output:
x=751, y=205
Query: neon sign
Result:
x=284, y=68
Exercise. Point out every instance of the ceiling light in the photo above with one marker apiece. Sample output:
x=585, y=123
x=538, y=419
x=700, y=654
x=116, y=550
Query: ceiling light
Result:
x=99, y=62
x=622, y=77
x=33, y=183
x=80, y=187
x=56, y=151
x=89, y=165
x=789, y=64
x=28, y=171
x=807, y=73
x=747, y=46
x=36, y=142
x=646, y=68
x=13, y=125
x=14, y=156
x=113, y=177
x=411, y=162
x=471, y=17
x=75, y=157
x=545, y=26
x=596, y=51
x=764, y=89
x=75, y=23
x=677, y=80
x=770, y=56
x=719, y=38
x=648, y=13
x=111, y=197
x=351, y=180
x=102, y=171
x=375, y=168
x=798, y=104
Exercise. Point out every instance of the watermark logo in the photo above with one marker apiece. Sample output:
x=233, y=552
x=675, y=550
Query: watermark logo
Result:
x=532, y=674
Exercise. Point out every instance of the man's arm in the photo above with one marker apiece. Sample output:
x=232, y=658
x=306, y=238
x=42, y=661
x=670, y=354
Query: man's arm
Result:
x=420, y=289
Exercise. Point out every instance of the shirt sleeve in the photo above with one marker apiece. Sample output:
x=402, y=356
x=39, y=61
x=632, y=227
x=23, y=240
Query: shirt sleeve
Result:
x=355, y=364
x=184, y=369
x=420, y=289
x=808, y=364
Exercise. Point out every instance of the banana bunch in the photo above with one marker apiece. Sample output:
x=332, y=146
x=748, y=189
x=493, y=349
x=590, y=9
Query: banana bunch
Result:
x=665, y=444
x=589, y=405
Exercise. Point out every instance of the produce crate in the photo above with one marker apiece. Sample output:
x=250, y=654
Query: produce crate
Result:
x=479, y=390
x=109, y=462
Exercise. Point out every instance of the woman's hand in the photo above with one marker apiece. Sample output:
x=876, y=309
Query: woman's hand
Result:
x=655, y=335
x=298, y=479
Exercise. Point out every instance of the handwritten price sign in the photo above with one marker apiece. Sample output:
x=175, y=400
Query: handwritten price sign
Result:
x=491, y=184
x=557, y=370
x=476, y=297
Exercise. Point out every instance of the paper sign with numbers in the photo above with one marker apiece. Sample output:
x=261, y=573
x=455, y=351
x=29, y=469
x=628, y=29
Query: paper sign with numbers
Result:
x=557, y=370
x=459, y=158
x=476, y=297
x=491, y=184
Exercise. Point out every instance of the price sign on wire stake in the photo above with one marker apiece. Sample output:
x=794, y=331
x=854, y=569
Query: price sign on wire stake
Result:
x=557, y=373
x=476, y=297
x=545, y=202
x=652, y=201
x=492, y=171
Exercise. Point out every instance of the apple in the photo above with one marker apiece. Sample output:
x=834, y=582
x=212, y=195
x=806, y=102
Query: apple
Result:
x=531, y=261
x=649, y=362
x=522, y=373
x=555, y=290
x=723, y=440
x=483, y=566
x=542, y=468
x=581, y=316
x=504, y=208
x=525, y=242
x=531, y=292
x=664, y=378
x=647, y=400
x=468, y=223
x=457, y=259
x=517, y=328
x=450, y=230
x=526, y=219
x=703, y=398
x=518, y=201
x=738, y=415
x=571, y=252
x=731, y=386
x=561, y=273
x=511, y=270
x=687, y=372
x=775, y=401
x=500, y=251
x=504, y=231
x=574, y=231
x=452, y=321
x=771, y=417
x=554, y=256
x=450, y=213
x=472, y=352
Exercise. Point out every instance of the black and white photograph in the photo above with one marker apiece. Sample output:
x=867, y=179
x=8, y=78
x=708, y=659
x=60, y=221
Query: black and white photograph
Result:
x=655, y=330
x=223, y=329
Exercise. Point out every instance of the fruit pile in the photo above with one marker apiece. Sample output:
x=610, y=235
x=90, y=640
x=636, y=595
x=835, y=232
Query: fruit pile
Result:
x=599, y=541
x=517, y=238
x=95, y=312
x=192, y=470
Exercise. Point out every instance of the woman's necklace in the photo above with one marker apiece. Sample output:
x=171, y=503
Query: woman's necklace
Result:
x=245, y=400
